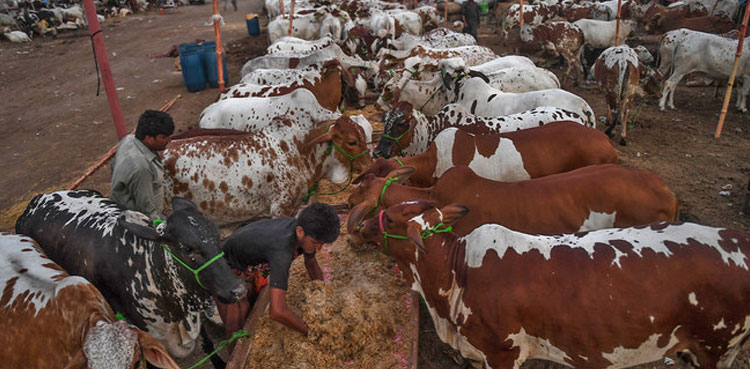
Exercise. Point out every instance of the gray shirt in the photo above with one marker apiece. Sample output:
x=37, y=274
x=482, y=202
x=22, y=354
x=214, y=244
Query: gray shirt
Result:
x=137, y=175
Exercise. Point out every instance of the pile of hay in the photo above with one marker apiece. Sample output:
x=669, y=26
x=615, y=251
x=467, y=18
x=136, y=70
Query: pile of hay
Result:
x=358, y=318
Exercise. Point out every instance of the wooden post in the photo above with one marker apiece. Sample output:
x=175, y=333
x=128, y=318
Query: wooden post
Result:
x=217, y=34
x=728, y=95
x=617, y=26
x=242, y=346
x=95, y=30
x=415, y=4
x=520, y=8
x=445, y=12
x=291, y=19
x=281, y=8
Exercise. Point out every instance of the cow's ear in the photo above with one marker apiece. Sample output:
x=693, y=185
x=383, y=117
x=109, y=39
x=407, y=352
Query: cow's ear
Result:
x=181, y=203
x=453, y=213
x=77, y=362
x=357, y=216
x=154, y=352
x=414, y=233
x=402, y=173
x=139, y=230
x=325, y=137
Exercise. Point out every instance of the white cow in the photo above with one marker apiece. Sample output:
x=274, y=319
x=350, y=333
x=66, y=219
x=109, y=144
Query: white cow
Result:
x=308, y=26
x=474, y=94
x=290, y=45
x=316, y=57
x=712, y=55
x=599, y=34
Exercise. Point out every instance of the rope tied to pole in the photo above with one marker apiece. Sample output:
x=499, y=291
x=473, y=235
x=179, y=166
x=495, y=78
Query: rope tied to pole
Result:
x=96, y=61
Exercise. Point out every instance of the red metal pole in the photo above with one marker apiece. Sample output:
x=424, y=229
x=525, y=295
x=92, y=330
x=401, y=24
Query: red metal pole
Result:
x=291, y=19
x=217, y=32
x=728, y=94
x=101, y=58
x=617, y=27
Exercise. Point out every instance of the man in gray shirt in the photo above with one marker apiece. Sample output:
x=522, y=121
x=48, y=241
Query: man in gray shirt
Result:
x=137, y=172
x=470, y=14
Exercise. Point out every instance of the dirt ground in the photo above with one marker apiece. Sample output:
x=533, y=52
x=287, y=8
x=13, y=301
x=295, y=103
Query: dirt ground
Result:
x=53, y=127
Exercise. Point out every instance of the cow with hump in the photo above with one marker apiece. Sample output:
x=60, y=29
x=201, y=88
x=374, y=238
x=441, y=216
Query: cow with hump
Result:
x=612, y=298
x=137, y=268
x=52, y=319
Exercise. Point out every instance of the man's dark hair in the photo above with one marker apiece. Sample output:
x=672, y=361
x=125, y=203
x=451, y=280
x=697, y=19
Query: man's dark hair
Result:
x=320, y=221
x=153, y=123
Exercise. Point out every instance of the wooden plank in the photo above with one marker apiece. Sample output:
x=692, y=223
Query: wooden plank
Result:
x=242, y=347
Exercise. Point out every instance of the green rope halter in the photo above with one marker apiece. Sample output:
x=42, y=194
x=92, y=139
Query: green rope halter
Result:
x=313, y=190
x=235, y=336
x=397, y=139
x=194, y=271
x=398, y=161
x=426, y=233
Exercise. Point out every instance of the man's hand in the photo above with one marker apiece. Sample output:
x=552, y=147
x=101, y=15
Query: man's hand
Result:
x=281, y=313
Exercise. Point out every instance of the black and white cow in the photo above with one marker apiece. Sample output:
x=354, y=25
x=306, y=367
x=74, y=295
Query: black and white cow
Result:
x=129, y=261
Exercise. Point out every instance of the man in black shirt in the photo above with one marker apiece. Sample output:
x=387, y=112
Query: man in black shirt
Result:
x=470, y=14
x=268, y=247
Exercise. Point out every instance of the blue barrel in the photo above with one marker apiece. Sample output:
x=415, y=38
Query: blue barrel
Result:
x=253, y=24
x=209, y=63
x=191, y=61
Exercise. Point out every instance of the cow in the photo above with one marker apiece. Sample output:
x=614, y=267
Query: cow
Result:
x=562, y=39
x=134, y=264
x=472, y=55
x=264, y=173
x=712, y=55
x=658, y=12
x=599, y=34
x=619, y=72
x=409, y=20
x=52, y=319
x=429, y=16
x=330, y=82
x=585, y=10
x=532, y=14
x=438, y=38
x=505, y=157
x=474, y=94
x=309, y=24
x=612, y=298
x=709, y=24
x=584, y=199
x=291, y=45
x=409, y=132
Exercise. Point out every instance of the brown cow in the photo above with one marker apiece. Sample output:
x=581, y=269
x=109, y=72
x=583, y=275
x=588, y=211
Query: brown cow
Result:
x=658, y=11
x=530, y=153
x=710, y=24
x=53, y=320
x=619, y=72
x=592, y=197
x=561, y=39
x=613, y=298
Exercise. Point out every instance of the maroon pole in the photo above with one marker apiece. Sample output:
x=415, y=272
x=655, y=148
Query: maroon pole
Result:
x=101, y=58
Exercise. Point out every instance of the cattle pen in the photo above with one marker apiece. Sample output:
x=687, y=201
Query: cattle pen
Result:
x=55, y=128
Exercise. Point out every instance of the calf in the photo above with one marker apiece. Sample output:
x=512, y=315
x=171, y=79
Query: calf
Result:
x=52, y=319
x=505, y=157
x=619, y=72
x=502, y=297
x=409, y=132
x=134, y=264
x=480, y=98
x=264, y=173
x=712, y=55
x=330, y=82
x=588, y=198
x=562, y=39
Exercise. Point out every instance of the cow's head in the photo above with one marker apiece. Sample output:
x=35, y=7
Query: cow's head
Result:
x=650, y=80
x=348, y=148
x=414, y=221
x=453, y=71
x=380, y=168
x=117, y=345
x=192, y=239
x=397, y=132
x=367, y=198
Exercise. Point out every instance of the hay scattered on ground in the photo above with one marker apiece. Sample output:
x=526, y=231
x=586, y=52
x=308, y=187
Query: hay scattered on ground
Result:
x=358, y=318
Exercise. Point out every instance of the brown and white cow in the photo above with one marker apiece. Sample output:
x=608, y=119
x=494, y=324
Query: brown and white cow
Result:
x=532, y=14
x=612, y=298
x=330, y=82
x=51, y=319
x=265, y=173
x=658, y=13
x=588, y=198
x=710, y=24
x=409, y=132
x=619, y=72
x=561, y=39
x=556, y=147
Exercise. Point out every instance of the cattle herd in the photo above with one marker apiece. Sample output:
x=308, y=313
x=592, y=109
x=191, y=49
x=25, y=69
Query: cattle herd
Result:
x=490, y=186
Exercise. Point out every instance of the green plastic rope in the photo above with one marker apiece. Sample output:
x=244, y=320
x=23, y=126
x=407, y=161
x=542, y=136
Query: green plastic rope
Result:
x=235, y=336
x=313, y=190
x=194, y=271
x=398, y=161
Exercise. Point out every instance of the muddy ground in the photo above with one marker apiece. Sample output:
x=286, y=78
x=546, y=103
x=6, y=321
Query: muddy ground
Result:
x=53, y=126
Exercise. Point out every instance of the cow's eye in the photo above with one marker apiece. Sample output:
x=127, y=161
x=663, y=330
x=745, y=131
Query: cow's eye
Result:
x=352, y=143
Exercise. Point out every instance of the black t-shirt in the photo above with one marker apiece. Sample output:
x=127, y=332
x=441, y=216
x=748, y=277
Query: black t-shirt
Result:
x=271, y=241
